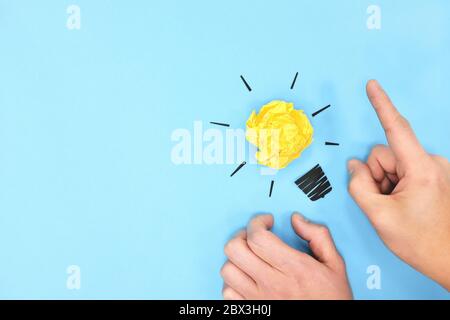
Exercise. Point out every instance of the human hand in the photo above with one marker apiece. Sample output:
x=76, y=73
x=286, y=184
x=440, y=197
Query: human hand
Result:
x=261, y=266
x=405, y=193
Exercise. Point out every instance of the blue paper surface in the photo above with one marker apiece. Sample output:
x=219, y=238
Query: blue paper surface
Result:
x=86, y=118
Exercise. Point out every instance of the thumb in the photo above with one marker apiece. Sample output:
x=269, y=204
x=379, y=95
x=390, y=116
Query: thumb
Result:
x=365, y=191
x=320, y=241
x=362, y=187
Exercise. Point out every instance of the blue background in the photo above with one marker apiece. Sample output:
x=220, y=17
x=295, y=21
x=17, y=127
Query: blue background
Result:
x=86, y=119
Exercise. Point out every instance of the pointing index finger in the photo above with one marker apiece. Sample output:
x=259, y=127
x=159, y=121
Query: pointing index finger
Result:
x=399, y=133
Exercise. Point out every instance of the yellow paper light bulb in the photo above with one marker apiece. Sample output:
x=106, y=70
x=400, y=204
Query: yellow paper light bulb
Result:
x=280, y=133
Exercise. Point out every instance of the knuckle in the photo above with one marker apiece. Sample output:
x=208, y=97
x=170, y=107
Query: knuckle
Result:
x=227, y=293
x=340, y=261
x=258, y=237
x=341, y=266
x=402, y=122
x=388, y=130
x=297, y=261
x=437, y=177
x=353, y=186
x=226, y=269
x=350, y=187
x=323, y=231
x=377, y=149
x=231, y=247
x=398, y=123
x=381, y=221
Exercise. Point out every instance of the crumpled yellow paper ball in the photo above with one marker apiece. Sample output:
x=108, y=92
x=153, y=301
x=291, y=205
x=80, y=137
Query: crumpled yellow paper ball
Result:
x=280, y=133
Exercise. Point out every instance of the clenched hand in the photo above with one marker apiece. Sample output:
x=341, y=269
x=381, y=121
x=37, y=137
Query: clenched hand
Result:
x=261, y=266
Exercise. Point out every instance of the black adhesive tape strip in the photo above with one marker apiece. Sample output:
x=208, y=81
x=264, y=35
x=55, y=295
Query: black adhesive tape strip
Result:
x=317, y=174
x=306, y=175
x=321, y=195
x=320, y=189
x=314, y=185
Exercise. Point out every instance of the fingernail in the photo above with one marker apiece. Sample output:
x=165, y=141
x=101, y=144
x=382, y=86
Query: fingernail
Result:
x=377, y=84
x=300, y=216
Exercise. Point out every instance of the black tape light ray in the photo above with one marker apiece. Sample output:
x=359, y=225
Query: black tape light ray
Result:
x=293, y=81
x=321, y=110
x=246, y=83
x=220, y=124
x=271, y=188
x=238, y=168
